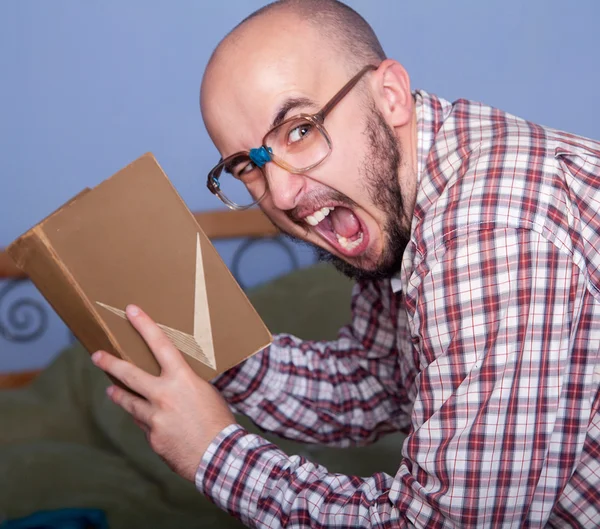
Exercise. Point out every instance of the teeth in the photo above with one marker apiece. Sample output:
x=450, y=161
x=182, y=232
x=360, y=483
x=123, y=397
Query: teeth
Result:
x=318, y=216
x=344, y=243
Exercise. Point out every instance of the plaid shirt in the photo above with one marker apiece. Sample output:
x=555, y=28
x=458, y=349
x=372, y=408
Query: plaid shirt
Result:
x=488, y=358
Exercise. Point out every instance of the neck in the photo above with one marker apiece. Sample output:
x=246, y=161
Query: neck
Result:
x=407, y=172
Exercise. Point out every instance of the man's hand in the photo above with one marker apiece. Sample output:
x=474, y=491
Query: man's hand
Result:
x=180, y=413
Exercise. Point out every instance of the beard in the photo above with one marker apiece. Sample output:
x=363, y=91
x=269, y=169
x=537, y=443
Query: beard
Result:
x=379, y=171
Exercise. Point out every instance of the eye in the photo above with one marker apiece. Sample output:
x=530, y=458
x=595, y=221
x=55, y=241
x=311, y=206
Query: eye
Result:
x=299, y=132
x=242, y=170
x=239, y=167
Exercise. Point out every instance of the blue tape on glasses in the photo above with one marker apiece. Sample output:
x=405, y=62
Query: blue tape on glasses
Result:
x=260, y=156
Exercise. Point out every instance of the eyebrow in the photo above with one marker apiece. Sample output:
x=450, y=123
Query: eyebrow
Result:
x=290, y=104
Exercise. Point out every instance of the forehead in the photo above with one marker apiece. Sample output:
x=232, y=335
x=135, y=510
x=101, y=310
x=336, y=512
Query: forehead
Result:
x=249, y=81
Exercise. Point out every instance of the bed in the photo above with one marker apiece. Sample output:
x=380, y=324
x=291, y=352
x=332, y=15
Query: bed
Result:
x=64, y=445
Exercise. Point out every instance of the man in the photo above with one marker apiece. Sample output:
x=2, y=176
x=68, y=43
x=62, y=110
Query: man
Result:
x=473, y=237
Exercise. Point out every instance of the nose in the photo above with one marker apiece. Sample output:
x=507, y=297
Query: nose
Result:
x=285, y=188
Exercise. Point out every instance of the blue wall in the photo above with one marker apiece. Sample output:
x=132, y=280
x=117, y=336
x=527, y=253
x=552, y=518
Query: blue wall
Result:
x=86, y=87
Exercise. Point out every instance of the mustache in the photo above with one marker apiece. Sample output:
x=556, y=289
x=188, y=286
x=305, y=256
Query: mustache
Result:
x=316, y=200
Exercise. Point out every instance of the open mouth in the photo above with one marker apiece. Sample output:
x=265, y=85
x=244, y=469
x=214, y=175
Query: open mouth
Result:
x=340, y=227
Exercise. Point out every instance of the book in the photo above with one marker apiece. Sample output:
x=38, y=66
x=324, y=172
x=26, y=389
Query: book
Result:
x=132, y=239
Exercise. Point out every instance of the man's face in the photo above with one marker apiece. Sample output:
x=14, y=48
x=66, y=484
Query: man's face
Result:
x=379, y=172
x=350, y=206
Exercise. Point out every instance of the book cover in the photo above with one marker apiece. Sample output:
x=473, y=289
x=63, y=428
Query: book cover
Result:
x=132, y=239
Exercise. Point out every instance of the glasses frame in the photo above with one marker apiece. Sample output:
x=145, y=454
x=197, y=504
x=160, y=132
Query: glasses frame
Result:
x=316, y=119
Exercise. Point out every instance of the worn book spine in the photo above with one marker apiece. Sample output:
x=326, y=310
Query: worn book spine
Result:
x=33, y=253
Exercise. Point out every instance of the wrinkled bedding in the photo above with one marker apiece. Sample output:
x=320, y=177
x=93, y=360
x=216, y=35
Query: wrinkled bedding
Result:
x=63, y=444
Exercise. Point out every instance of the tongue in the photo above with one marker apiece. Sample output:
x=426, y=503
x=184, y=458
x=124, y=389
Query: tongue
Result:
x=344, y=222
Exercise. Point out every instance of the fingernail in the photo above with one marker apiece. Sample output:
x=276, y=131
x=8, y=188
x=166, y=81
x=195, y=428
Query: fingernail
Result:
x=132, y=310
x=96, y=357
x=110, y=390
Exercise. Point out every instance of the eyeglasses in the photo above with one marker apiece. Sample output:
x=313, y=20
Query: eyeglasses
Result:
x=298, y=144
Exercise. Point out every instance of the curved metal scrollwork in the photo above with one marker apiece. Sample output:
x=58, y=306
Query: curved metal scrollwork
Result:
x=24, y=319
x=245, y=247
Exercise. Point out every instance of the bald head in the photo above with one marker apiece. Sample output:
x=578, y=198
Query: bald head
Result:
x=348, y=35
x=284, y=46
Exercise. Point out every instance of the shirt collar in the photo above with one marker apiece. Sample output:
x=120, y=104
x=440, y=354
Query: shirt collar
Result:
x=431, y=112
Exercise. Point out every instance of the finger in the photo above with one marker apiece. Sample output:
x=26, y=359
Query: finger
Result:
x=166, y=354
x=142, y=426
x=129, y=374
x=139, y=408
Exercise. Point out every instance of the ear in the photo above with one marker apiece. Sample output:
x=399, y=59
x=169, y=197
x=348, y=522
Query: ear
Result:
x=392, y=93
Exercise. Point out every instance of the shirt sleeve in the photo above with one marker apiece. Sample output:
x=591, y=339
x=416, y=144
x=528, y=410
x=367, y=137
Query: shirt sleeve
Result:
x=491, y=444
x=340, y=392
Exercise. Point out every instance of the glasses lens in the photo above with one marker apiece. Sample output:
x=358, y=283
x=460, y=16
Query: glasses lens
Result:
x=299, y=142
x=239, y=181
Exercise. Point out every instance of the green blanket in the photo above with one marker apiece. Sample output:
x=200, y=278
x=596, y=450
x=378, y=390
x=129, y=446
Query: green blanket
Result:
x=63, y=444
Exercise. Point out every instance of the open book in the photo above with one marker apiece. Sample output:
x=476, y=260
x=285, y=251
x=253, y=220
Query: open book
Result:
x=132, y=239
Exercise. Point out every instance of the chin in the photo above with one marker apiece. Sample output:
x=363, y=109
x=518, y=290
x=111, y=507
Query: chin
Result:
x=363, y=269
